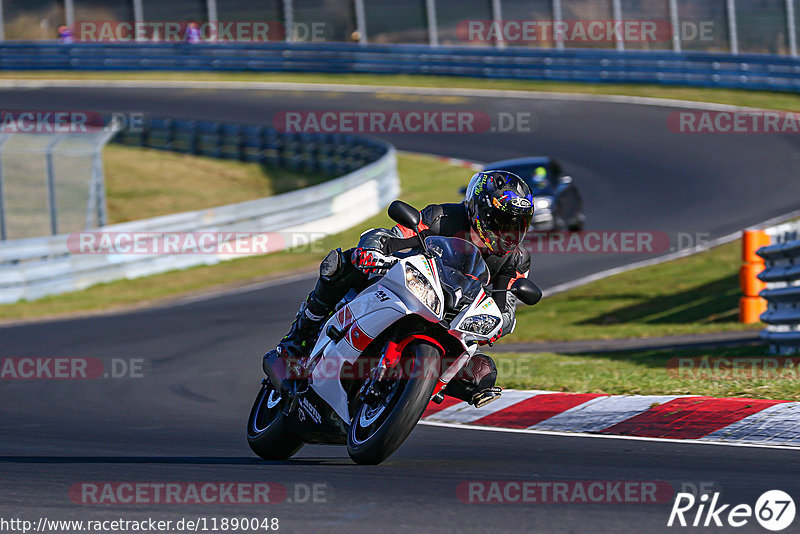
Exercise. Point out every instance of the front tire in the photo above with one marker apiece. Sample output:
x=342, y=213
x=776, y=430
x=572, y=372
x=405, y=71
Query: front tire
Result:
x=267, y=434
x=379, y=428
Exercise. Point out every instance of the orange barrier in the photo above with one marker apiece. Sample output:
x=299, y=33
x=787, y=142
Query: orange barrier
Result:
x=751, y=306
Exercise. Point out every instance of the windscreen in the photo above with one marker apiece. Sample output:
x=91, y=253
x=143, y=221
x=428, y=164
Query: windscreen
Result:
x=460, y=265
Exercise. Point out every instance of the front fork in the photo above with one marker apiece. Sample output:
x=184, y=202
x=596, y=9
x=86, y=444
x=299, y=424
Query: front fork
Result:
x=391, y=357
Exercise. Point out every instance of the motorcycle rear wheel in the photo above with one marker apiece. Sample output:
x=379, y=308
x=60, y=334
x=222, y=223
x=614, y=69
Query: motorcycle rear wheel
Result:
x=266, y=427
x=379, y=428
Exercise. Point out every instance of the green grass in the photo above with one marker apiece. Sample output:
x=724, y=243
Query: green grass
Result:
x=696, y=294
x=143, y=182
x=422, y=177
x=757, y=99
x=642, y=373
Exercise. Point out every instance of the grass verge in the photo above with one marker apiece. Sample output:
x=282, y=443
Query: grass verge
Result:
x=144, y=182
x=646, y=373
x=756, y=99
x=695, y=294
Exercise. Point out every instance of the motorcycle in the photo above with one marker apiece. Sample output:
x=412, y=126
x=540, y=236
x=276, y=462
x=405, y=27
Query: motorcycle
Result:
x=385, y=353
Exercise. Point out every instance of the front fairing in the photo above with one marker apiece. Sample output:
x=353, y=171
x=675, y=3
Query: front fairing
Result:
x=378, y=307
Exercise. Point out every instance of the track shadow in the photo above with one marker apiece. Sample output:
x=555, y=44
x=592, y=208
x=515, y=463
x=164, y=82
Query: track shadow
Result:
x=714, y=302
x=171, y=460
x=658, y=358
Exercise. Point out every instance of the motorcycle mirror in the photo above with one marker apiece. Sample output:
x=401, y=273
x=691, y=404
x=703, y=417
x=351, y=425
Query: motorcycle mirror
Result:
x=404, y=214
x=526, y=291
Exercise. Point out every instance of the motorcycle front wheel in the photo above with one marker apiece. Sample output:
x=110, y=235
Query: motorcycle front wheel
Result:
x=380, y=425
x=267, y=434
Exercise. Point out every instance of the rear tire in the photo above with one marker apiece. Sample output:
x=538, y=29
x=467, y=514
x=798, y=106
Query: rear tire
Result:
x=266, y=427
x=374, y=435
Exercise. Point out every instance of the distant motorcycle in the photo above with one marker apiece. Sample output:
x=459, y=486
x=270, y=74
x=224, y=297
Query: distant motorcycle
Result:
x=384, y=354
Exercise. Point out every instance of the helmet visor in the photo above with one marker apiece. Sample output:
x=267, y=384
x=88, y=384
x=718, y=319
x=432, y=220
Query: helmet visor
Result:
x=508, y=229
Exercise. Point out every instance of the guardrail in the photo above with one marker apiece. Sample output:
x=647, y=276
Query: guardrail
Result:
x=782, y=277
x=329, y=154
x=36, y=267
x=744, y=71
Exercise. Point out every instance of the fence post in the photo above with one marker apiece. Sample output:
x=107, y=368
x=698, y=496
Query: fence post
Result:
x=433, y=26
x=69, y=10
x=751, y=305
x=497, y=18
x=2, y=23
x=790, y=27
x=211, y=12
x=361, y=21
x=51, y=184
x=288, y=19
x=557, y=18
x=99, y=189
x=732, y=28
x=619, y=38
x=138, y=17
x=675, y=22
x=3, y=234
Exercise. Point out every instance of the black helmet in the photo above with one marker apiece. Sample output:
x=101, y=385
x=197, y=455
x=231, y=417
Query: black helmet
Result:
x=500, y=208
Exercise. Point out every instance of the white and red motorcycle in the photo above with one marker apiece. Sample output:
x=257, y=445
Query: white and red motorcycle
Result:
x=385, y=353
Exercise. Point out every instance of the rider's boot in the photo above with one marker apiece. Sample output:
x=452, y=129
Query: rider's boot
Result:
x=281, y=363
x=337, y=277
x=475, y=382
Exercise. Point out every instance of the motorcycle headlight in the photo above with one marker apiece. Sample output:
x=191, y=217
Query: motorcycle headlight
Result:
x=422, y=289
x=482, y=324
x=543, y=203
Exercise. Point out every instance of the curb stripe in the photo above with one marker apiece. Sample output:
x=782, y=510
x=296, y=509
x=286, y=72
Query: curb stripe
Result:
x=436, y=408
x=603, y=412
x=465, y=414
x=530, y=411
x=777, y=424
x=689, y=418
x=697, y=419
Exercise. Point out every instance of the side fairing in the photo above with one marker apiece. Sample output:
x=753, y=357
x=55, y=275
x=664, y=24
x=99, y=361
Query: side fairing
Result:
x=362, y=320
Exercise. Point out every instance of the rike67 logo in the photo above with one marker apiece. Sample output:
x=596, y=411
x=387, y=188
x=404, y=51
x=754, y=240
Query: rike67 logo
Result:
x=774, y=510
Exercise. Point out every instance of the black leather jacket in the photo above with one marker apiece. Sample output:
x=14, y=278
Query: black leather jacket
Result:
x=451, y=220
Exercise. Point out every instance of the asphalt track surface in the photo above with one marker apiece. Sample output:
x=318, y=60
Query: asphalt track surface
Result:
x=183, y=420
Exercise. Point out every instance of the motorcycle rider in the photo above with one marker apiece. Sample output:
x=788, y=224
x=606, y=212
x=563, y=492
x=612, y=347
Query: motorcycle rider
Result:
x=495, y=215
